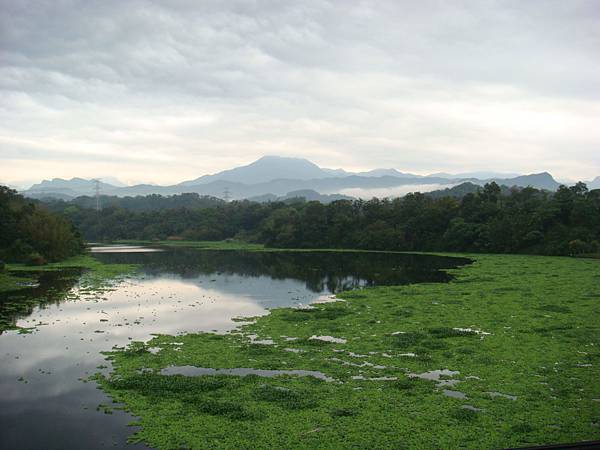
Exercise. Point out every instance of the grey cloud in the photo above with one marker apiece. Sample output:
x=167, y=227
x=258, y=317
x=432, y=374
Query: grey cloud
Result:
x=420, y=86
x=200, y=43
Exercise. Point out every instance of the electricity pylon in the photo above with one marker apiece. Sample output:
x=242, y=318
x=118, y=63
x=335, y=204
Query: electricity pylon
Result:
x=97, y=191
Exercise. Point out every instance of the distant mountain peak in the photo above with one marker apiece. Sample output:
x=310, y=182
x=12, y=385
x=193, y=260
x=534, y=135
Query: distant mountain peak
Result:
x=264, y=169
x=73, y=187
x=273, y=167
x=545, y=175
x=267, y=158
x=542, y=180
x=594, y=184
x=278, y=175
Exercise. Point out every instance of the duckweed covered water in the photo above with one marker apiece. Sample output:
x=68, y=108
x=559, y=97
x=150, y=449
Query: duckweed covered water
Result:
x=542, y=348
x=192, y=371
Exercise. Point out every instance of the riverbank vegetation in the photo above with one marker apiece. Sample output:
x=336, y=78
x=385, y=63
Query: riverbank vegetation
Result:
x=29, y=233
x=492, y=220
x=504, y=355
x=30, y=236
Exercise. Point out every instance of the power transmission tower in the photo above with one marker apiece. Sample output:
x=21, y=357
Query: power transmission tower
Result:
x=97, y=191
x=226, y=194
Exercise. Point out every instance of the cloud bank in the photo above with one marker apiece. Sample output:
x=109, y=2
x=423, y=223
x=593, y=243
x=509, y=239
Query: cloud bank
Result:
x=167, y=91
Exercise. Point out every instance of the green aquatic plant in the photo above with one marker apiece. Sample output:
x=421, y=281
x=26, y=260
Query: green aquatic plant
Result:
x=519, y=325
x=464, y=414
x=447, y=332
x=285, y=397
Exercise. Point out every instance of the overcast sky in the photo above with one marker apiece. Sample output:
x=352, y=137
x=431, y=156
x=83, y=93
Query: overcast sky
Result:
x=167, y=91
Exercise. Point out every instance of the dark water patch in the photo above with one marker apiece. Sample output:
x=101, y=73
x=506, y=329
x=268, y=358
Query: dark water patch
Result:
x=51, y=288
x=321, y=271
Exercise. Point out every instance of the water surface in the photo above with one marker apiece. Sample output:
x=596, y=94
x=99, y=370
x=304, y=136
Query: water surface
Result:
x=43, y=401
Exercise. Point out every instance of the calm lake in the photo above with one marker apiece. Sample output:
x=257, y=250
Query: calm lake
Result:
x=44, y=400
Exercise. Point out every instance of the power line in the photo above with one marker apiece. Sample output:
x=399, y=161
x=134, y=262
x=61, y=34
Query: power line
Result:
x=226, y=194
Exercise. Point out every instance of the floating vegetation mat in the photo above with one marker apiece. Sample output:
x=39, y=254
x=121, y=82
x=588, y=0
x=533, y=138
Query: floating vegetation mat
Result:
x=506, y=354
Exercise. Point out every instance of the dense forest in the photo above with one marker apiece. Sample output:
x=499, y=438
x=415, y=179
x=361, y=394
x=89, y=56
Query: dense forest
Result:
x=493, y=219
x=30, y=233
x=150, y=202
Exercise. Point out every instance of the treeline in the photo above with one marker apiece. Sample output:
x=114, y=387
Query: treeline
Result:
x=491, y=220
x=138, y=203
x=30, y=233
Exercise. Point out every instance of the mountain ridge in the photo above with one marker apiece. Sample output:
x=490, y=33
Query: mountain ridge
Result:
x=279, y=176
x=263, y=169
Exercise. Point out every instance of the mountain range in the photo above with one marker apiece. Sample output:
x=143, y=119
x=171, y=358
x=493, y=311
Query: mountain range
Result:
x=273, y=177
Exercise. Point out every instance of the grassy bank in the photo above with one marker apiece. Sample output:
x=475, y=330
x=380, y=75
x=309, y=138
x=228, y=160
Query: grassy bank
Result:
x=519, y=333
